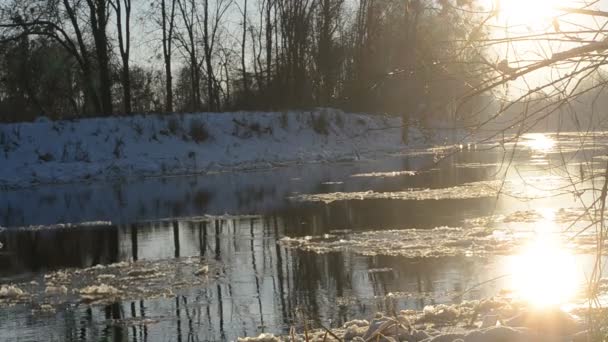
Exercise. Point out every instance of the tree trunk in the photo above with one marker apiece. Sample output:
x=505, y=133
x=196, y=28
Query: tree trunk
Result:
x=167, y=27
x=269, y=5
x=126, y=86
x=243, y=65
x=124, y=44
x=90, y=93
x=210, y=87
x=99, y=22
x=188, y=16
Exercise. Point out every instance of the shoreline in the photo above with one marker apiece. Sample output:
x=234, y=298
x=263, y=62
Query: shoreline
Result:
x=62, y=152
x=492, y=319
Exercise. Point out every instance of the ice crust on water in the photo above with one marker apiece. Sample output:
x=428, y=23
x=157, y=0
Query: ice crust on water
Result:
x=56, y=290
x=478, y=165
x=386, y=174
x=499, y=234
x=437, y=242
x=11, y=291
x=143, y=279
x=261, y=338
x=559, y=216
x=99, y=291
x=465, y=191
x=527, y=188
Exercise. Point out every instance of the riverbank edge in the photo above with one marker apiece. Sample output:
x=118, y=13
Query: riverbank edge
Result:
x=58, y=152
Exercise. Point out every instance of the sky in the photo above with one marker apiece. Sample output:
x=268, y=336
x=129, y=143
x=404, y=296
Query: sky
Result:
x=516, y=18
x=528, y=17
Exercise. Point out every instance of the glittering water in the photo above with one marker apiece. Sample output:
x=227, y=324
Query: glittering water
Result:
x=215, y=257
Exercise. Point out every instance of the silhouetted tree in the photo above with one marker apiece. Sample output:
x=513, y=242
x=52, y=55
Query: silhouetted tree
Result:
x=122, y=9
x=389, y=56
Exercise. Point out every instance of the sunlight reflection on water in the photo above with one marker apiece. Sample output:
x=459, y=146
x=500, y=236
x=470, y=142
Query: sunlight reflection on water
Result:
x=538, y=142
x=545, y=273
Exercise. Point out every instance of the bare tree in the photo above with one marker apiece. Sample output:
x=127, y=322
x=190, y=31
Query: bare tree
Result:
x=124, y=45
x=98, y=17
x=296, y=19
x=570, y=52
x=189, y=17
x=48, y=20
x=327, y=57
x=269, y=7
x=211, y=26
x=246, y=92
x=168, y=25
x=292, y=53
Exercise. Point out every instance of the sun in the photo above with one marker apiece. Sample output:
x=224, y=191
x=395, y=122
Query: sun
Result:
x=527, y=12
x=538, y=142
x=545, y=272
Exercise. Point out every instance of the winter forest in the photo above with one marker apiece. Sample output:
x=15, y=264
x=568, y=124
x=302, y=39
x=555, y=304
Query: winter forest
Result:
x=66, y=59
x=304, y=170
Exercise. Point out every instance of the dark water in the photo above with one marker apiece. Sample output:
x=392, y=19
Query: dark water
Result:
x=236, y=220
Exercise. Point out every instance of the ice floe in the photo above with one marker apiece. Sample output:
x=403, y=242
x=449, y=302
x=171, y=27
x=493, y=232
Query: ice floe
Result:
x=386, y=174
x=437, y=242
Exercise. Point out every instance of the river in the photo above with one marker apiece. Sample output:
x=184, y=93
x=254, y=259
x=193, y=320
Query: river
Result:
x=322, y=243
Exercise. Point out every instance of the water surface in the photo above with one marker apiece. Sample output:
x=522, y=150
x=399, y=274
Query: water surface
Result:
x=277, y=253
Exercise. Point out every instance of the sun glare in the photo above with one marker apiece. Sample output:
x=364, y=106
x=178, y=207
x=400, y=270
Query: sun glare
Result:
x=527, y=12
x=544, y=273
x=538, y=142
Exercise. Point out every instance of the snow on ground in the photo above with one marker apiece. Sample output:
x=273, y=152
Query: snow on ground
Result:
x=489, y=320
x=46, y=152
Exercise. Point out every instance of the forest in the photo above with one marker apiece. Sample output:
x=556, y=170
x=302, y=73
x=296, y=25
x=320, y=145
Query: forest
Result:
x=303, y=170
x=73, y=58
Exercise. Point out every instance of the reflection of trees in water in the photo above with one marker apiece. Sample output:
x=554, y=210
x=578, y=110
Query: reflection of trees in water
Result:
x=249, y=196
x=35, y=250
x=12, y=216
x=261, y=287
x=134, y=246
x=176, y=238
x=378, y=214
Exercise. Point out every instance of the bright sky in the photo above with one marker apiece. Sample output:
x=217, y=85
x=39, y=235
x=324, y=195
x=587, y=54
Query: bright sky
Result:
x=528, y=17
x=516, y=18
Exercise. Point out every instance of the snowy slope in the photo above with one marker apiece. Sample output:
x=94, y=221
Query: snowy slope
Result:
x=46, y=152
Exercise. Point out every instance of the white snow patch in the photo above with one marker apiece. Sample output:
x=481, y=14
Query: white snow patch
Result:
x=45, y=152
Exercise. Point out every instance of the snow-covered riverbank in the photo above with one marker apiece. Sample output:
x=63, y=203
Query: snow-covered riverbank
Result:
x=46, y=152
x=488, y=320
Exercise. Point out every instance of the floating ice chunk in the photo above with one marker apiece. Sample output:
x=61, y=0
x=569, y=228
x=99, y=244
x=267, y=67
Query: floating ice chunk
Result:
x=202, y=271
x=11, y=291
x=56, y=290
x=440, y=241
x=47, y=308
x=261, y=338
x=99, y=291
x=386, y=174
x=465, y=191
x=106, y=276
